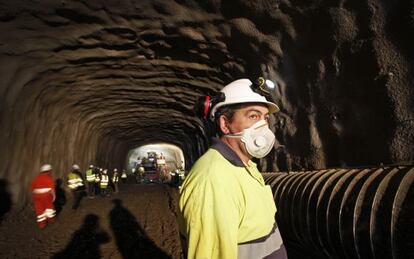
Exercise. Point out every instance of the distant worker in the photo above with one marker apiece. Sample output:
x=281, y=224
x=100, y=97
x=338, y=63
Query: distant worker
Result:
x=124, y=176
x=162, y=156
x=76, y=185
x=43, y=193
x=98, y=173
x=104, y=183
x=139, y=160
x=174, y=178
x=140, y=174
x=90, y=182
x=115, y=180
x=181, y=175
x=161, y=160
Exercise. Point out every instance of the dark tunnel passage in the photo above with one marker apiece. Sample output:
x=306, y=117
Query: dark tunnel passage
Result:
x=86, y=82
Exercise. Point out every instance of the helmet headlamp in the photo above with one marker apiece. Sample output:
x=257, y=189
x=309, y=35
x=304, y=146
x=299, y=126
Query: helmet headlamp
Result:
x=263, y=87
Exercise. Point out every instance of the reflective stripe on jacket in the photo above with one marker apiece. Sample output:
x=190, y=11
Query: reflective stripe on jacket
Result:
x=115, y=178
x=104, y=181
x=41, y=190
x=90, y=176
x=74, y=181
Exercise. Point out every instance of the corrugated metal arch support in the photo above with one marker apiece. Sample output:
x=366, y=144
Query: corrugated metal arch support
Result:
x=346, y=213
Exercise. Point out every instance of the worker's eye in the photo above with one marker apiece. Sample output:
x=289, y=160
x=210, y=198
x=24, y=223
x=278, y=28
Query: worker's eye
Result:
x=254, y=116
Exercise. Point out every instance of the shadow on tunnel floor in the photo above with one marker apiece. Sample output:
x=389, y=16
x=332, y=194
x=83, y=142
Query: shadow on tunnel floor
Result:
x=131, y=238
x=5, y=198
x=86, y=241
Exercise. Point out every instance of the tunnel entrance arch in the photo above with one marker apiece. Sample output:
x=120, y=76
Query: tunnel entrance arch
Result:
x=174, y=156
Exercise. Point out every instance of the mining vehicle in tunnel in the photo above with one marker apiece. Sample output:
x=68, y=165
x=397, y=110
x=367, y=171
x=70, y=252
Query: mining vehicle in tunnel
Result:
x=151, y=167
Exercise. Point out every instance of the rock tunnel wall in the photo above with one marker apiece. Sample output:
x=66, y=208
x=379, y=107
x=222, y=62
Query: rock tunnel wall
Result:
x=86, y=81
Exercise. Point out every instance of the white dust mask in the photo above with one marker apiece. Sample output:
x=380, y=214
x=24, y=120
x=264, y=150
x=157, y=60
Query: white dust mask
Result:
x=258, y=139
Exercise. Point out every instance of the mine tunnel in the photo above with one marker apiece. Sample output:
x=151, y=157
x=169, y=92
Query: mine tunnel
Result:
x=88, y=82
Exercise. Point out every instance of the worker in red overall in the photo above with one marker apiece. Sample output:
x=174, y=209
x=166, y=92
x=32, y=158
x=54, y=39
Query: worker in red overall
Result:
x=43, y=191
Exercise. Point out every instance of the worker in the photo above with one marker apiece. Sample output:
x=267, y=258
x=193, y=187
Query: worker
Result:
x=43, y=193
x=161, y=160
x=98, y=173
x=226, y=209
x=140, y=174
x=174, y=178
x=139, y=161
x=76, y=185
x=181, y=173
x=60, y=195
x=104, y=182
x=123, y=176
x=115, y=180
x=181, y=176
x=90, y=182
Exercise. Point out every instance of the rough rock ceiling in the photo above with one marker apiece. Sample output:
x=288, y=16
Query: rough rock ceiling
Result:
x=86, y=81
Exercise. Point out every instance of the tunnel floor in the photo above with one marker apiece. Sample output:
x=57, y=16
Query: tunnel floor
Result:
x=137, y=222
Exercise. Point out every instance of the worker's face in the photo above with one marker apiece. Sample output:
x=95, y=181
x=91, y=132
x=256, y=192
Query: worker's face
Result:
x=243, y=118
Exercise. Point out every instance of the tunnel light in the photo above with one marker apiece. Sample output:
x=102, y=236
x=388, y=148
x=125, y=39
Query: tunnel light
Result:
x=173, y=155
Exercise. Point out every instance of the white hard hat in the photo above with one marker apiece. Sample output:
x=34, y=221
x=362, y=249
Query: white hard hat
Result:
x=115, y=169
x=240, y=91
x=45, y=168
x=75, y=167
x=90, y=166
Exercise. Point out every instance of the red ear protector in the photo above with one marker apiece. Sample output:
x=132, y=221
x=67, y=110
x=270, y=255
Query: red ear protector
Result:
x=205, y=104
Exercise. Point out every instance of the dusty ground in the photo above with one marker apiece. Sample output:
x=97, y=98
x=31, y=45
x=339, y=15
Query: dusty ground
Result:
x=138, y=222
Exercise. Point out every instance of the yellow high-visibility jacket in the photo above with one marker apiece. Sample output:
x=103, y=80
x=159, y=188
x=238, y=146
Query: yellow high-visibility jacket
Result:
x=115, y=177
x=104, y=181
x=90, y=176
x=74, y=181
x=224, y=203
